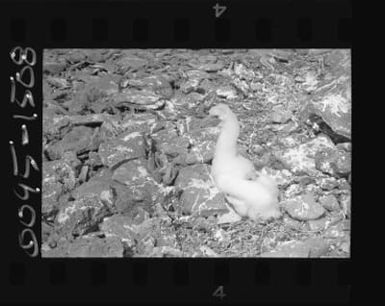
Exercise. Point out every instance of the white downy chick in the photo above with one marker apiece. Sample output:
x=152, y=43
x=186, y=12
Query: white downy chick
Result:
x=250, y=194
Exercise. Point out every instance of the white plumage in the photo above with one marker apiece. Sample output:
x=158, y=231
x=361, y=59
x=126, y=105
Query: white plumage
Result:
x=252, y=195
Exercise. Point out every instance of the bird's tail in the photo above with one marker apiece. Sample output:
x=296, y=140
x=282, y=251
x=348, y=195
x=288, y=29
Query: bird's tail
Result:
x=251, y=198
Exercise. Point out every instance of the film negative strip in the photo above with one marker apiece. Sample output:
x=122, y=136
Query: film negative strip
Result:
x=123, y=185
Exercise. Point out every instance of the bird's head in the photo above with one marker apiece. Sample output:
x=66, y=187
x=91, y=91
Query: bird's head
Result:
x=220, y=111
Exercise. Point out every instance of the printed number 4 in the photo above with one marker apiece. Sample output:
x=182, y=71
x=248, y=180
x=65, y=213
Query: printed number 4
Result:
x=219, y=10
x=219, y=292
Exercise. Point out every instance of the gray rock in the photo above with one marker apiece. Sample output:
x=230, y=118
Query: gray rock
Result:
x=346, y=146
x=227, y=92
x=319, y=224
x=142, y=123
x=54, y=125
x=156, y=83
x=202, y=143
x=138, y=99
x=312, y=247
x=54, y=68
x=58, y=178
x=327, y=183
x=137, y=187
x=90, y=119
x=131, y=171
x=280, y=115
x=242, y=72
x=96, y=247
x=97, y=188
x=169, y=143
x=330, y=202
x=345, y=200
x=119, y=226
x=93, y=95
x=196, y=124
x=76, y=55
x=301, y=158
x=334, y=162
x=94, y=160
x=242, y=86
x=199, y=194
x=82, y=216
x=337, y=231
x=165, y=251
x=130, y=62
x=88, y=247
x=79, y=140
x=205, y=64
x=127, y=146
x=331, y=99
x=303, y=207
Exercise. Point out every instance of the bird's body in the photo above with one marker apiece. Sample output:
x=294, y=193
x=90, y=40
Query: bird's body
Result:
x=251, y=194
x=238, y=166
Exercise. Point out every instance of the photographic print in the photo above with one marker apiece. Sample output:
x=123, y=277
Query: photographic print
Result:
x=196, y=153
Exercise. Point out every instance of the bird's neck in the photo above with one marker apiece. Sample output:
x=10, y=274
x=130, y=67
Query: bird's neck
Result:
x=227, y=141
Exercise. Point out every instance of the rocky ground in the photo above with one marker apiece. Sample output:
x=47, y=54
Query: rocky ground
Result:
x=127, y=147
